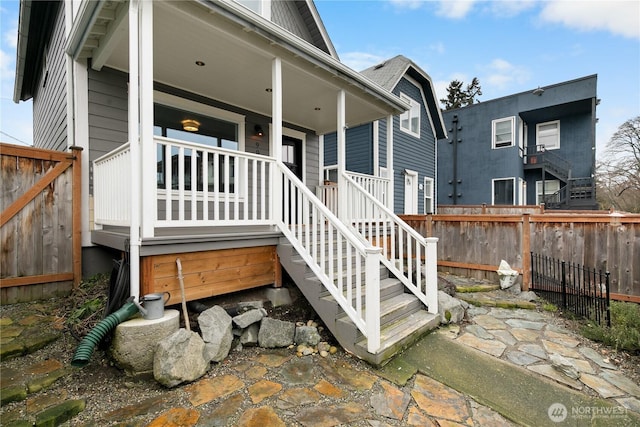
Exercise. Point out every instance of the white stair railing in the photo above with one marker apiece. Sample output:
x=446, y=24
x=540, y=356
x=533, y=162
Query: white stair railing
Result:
x=317, y=234
x=411, y=257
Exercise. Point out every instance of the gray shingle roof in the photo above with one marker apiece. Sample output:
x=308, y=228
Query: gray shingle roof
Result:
x=388, y=73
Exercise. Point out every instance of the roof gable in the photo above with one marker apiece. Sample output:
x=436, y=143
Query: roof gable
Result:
x=388, y=74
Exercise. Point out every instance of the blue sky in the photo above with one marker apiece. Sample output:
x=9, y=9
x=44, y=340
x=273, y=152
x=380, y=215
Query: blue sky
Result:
x=511, y=46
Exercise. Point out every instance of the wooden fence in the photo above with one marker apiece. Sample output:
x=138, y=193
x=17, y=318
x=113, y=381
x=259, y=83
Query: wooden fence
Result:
x=474, y=244
x=40, y=242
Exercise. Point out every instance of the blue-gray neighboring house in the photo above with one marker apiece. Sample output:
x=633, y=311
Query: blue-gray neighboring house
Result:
x=529, y=148
x=405, y=156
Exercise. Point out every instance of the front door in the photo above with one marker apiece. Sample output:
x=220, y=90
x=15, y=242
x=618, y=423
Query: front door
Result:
x=292, y=158
x=410, y=192
x=292, y=154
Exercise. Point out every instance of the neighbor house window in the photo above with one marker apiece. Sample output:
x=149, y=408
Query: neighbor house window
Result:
x=410, y=120
x=551, y=189
x=504, y=191
x=503, y=132
x=428, y=195
x=548, y=135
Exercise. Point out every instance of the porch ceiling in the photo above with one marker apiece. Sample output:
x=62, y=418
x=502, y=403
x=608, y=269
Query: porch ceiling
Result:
x=238, y=56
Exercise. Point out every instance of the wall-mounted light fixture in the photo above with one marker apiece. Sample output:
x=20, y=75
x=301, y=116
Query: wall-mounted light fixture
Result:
x=190, y=125
x=258, y=130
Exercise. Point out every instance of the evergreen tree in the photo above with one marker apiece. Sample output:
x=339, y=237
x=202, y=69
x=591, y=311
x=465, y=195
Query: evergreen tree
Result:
x=458, y=97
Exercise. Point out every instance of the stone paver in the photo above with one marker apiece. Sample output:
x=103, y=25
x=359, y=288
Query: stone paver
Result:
x=391, y=403
x=602, y=386
x=440, y=401
x=493, y=347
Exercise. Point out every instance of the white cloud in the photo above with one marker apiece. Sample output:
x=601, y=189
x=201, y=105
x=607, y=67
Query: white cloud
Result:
x=617, y=17
x=509, y=9
x=360, y=60
x=501, y=74
x=455, y=9
x=407, y=4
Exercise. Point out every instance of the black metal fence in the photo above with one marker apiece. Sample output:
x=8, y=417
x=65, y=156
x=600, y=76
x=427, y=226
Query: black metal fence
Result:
x=572, y=287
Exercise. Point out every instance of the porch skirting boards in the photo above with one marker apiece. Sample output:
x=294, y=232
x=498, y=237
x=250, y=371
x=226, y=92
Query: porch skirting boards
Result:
x=209, y=273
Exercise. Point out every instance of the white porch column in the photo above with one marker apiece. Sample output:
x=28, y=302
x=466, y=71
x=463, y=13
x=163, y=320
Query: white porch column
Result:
x=390, y=200
x=342, y=155
x=276, y=134
x=148, y=210
x=134, y=131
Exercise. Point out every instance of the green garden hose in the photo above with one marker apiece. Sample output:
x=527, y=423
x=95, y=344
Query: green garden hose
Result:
x=88, y=343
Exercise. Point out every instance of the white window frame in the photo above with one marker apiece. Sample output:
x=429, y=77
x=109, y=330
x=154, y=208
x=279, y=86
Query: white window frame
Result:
x=429, y=191
x=410, y=115
x=547, y=134
x=493, y=190
x=548, y=183
x=494, y=123
x=261, y=7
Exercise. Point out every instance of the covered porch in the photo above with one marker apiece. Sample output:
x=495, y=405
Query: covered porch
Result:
x=165, y=192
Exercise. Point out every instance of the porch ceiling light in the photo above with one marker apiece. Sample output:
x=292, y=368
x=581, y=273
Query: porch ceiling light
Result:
x=190, y=125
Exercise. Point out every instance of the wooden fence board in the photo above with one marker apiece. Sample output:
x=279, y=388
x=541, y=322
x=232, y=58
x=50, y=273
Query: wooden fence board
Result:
x=472, y=244
x=39, y=202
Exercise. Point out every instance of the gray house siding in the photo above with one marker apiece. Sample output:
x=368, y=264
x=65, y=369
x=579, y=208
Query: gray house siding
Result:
x=409, y=152
x=108, y=106
x=571, y=103
x=477, y=162
x=358, y=149
x=50, y=96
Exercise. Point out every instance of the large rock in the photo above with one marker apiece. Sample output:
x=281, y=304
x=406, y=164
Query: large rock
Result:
x=275, y=333
x=451, y=309
x=179, y=358
x=249, y=336
x=307, y=335
x=249, y=317
x=216, y=328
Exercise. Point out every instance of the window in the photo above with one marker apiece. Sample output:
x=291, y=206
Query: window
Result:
x=503, y=191
x=548, y=135
x=428, y=195
x=212, y=131
x=502, y=132
x=410, y=120
x=551, y=188
x=261, y=7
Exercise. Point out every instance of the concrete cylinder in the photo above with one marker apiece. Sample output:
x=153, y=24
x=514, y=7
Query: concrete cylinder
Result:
x=135, y=341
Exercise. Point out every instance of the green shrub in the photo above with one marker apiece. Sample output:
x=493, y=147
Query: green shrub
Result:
x=624, y=333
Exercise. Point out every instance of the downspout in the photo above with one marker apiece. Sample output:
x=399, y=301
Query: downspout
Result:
x=134, y=144
x=454, y=141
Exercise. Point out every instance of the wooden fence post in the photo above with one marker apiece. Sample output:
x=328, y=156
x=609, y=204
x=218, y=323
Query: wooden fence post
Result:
x=77, y=215
x=526, y=252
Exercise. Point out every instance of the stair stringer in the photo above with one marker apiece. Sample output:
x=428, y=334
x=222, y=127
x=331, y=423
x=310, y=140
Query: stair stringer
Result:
x=398, y=329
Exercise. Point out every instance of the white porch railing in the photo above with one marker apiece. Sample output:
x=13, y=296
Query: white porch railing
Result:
x=317, y=234
x=196, y=184
x=377, y=186
x=411, y=257
x=112, y=187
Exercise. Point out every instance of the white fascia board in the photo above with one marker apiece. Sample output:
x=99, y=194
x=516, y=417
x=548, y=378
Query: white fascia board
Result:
x=21, y=51
x=84, y=20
